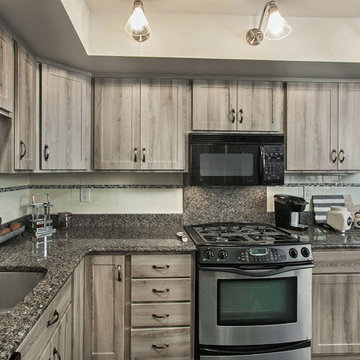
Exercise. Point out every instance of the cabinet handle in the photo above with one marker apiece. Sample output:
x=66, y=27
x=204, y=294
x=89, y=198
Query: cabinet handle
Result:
x=135, y=154
x=160, y=347
x=143, y=155
x=156, y=291
x=119, y=273
x=158, y=267
x=22, y=146
x=163, y=316
x=55, y=352
x=341, y=152
x=233, y=116
x=241, y=116
x=333, y=159
x=46, y=153
x=54, y=319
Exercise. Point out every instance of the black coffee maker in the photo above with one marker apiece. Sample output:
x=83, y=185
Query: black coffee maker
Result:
x=287, y=212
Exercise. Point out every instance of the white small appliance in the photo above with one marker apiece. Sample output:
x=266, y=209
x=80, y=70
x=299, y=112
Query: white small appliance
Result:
x=339, y=218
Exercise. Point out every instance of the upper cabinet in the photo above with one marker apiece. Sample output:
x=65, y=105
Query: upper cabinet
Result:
x=6, y=73
x=322, y=126
x=237, y=105
x=141, y=124
x=25, y=109
x=65, y=119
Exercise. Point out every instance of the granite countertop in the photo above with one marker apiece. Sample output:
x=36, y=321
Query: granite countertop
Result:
x=66, y=251
x=323, y=237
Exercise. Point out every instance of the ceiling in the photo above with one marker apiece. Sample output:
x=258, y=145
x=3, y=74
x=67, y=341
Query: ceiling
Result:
x=46, y=28
x=292, y=8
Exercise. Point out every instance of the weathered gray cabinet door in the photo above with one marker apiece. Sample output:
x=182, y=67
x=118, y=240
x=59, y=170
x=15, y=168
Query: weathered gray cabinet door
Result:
x=62, y=338
x=165, y=110
x=214, y=105
x=260, y=106
x=312, y=115
x=65, y=119
x=25, y=109
x=349, y=127
x=336, y=309
x=6, y=72
x=104, y=307
x=336, y=304
x=117, y=124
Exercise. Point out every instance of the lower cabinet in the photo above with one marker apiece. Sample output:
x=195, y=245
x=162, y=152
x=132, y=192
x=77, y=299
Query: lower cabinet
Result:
x=336, y=305
x=51, y=336
x=104, y=313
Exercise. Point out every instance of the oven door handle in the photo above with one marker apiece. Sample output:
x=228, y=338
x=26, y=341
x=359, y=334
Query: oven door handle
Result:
x=258, y=273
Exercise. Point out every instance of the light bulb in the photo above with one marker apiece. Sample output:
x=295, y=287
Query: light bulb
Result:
x=277, y=28
x=138, y=26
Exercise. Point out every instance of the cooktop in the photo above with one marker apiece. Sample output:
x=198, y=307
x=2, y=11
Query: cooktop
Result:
x=247, y=243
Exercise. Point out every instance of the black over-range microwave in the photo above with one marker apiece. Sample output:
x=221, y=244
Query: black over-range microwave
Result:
x=236, y=159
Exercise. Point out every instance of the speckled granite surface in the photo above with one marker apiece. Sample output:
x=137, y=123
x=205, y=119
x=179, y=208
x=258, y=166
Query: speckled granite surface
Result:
x=225, y=204
x=325, y=238
x=67, y=252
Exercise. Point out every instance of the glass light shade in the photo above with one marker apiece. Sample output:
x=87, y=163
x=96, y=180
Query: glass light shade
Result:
x=138, y=26
x=277, y=28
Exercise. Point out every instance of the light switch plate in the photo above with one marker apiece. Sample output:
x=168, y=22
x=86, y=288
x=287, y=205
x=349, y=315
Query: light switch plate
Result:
x=84, y=195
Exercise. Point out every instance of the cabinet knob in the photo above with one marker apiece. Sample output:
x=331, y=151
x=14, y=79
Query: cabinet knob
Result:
x=143, y=155
x=56, y=353
x=22, y=149
x=160, y=316
x=160, y=347
x=46, y=152
x=54, y=319
x=241, y=112
x=135, y=154
x=160, y=267
x=333, y=156
x=119, y=273
x=233, y=116
x=341, y=155
x=156, y=291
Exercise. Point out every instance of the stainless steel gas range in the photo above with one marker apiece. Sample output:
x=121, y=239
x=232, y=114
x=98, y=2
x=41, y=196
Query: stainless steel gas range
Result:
x=254, y=293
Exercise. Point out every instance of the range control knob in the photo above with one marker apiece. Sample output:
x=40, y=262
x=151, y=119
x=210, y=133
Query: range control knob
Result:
x=209, y=254
x=293, y=253
x=222, y=254
x=305, y=252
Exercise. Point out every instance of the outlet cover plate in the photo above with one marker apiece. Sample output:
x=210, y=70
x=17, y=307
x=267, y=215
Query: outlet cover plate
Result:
x=84, y=195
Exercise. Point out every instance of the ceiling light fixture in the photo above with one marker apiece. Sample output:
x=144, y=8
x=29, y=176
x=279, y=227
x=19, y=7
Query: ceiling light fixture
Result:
x=137, y=26
x=277, y=28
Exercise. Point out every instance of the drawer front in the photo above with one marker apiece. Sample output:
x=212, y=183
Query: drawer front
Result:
x=154, y=290
x=39, y=336
x=156, y=266
x=169, y=343
x=154, y=315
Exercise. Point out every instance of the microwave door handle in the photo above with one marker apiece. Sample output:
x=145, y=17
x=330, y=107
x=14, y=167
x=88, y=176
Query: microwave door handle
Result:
x=257, y=273
x=262, y=161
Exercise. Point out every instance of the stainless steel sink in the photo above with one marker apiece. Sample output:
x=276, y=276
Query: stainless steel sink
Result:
x=15, y=285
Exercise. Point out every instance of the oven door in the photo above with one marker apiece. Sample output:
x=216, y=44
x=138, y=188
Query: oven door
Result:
x=254, y=307
x=224, y=164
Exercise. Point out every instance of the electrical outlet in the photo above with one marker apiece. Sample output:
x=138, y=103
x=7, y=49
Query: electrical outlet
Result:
x=84, y=195
x=307, y=193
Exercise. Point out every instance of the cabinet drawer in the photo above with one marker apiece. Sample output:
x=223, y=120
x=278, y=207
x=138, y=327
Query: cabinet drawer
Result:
x=39, y=336
x=154, y=266
x=169, y=343
x=154, y=315
x=153, y=290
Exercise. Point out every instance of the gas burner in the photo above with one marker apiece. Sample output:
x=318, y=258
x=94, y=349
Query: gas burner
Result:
x=242, y=233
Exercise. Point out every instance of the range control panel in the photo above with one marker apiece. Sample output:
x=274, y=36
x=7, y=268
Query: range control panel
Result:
x=273, y=164
x=254, y=255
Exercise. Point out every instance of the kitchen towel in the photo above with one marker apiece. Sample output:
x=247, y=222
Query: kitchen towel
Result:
x=322, y=204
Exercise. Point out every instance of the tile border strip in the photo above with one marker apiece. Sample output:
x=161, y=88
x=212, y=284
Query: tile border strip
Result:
x=125, y=186
x=90, y=186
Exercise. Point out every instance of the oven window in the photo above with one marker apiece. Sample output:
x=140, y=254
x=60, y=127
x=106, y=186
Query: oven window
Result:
x=257, y=302
x=227, y=164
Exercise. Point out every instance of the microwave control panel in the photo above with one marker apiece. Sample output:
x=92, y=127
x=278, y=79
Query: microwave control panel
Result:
x=273, y=164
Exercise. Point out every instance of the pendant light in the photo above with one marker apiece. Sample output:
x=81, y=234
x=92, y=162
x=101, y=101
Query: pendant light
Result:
x=138, y=26
x=276, y=29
